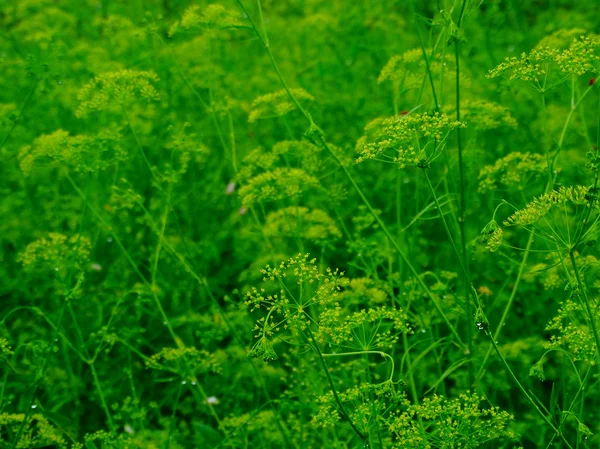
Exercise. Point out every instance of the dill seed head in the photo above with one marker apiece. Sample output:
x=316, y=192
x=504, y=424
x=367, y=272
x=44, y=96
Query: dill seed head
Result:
x=37, y=430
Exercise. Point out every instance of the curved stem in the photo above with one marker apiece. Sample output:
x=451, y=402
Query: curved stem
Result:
x=381, y=353
x=361, y=435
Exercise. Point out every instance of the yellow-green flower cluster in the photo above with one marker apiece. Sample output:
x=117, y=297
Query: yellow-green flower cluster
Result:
x=81, y=152
x=573, y=333
x=580, y=57
x=185, y=361
x=116, y=88
x=372, y=326
x=301, y=154
x=312, y=225
x=124, y=197
x=213, y=16
x=5, y=349
x=365, y=291
x=481, y=114
x=277, y=104
x=552, y=274
x=542, y=205
x=513, y=170
x=528, y=67
x=294, y=287
x=562, y=38
x=403, y=70
x=56, y=252
x=366, y=403
x=412, y=140
x=38, y=431
x=276, y=185
x=211, y=19
x=442, y=423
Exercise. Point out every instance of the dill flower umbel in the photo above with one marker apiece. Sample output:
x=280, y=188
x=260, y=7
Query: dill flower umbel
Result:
x=313, y=225
x=56, y=252
x=413, y=140
x=82, y=153
x=534, y=67
x=513, y=170
x=276, y=185
x=539, y=207
x=276, y=104
x=116, y=88
x=442, y=422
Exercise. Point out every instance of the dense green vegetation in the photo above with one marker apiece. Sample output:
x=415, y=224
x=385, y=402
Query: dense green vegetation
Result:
x=299, y=224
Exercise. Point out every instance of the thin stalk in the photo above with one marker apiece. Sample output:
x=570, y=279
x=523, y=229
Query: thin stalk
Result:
x=586, y=301
x=111, y=423
x=448, y=232
x=361, y=435
x=381, y=353
x=525, y=393
x=427, y=67
x=550, y=181
x=461, y=215
x=137, y=141
x=14, y=124
x=513, y=294
x=462, y=204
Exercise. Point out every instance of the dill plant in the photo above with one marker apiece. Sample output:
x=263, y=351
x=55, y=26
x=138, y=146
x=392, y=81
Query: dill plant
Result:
x=178, y=176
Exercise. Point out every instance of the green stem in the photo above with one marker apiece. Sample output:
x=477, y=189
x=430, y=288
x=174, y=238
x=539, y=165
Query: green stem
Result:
x=381, y=353
x=513, y=294
x=586, y=302
x=525, y=393
x=137, y=141
x=427, y=67
x=361, y=435
x=20, y=116
x=461, y=215
x=111, y=423
x=448, y=232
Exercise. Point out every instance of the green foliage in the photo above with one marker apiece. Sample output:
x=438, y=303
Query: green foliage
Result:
x=177, y=178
